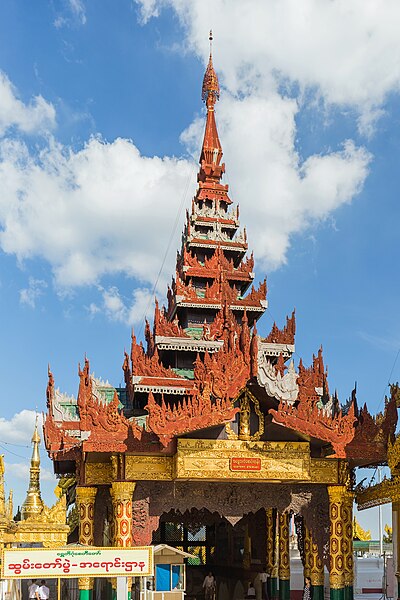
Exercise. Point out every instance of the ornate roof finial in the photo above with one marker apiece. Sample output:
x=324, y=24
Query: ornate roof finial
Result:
x=211, y=152
x=210, y=89
x=33, y=504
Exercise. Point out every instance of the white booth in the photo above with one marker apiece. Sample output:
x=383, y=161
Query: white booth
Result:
x=169, y=581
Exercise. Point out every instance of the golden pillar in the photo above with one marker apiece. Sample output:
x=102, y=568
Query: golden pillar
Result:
x=313, y=565
x=284, y=557
x=396, y=541
x=85, y=499
x=122, y=496
x=341, y=542
x=307, y=551
x=274, y=594
x=270, y=542
x=347, y=517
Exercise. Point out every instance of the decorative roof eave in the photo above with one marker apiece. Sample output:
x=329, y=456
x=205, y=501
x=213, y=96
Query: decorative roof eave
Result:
x=163, y=381
x=219, y=193
x=233, y=246
x=202, y=303
x=162, y=389
x=196, y=218
x=189, y=345
x=381, y=493
x=234, y=275
x=271, y=349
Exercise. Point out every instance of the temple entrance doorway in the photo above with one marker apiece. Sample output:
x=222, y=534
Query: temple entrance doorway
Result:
x=234, y=552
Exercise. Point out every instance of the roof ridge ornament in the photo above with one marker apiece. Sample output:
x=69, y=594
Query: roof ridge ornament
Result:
x=210, y=90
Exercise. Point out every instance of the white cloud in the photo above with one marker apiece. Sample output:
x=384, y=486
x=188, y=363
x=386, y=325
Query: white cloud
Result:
x=126, y=310
x=19, y=429
x=21, y=471
x=36, y=117
x=348, y=52
x=77, y=12
x=101, y=210
x=35, y=289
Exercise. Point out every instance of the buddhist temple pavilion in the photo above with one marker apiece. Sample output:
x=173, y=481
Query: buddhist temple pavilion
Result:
x=218, y=444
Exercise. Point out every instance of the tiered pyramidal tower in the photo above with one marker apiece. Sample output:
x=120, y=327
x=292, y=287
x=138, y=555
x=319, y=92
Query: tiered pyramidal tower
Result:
x=205, y=372
x=210, y=308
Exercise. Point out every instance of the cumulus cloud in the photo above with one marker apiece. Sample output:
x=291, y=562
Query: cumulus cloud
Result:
x=20, y=470
x=36, y=117
x=347, y=52
x=19, y=429
x=105, y=209
x=126, y=310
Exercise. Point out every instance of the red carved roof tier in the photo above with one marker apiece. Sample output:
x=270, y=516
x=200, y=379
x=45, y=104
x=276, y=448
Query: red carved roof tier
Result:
x=211, y=268
x=164, y=327
x=216, y=293
x=193, y=413
x=226, y=244
x=285, y=335
x=144, y=365
x=102, y=427
x=373, y=433
x=313, y=413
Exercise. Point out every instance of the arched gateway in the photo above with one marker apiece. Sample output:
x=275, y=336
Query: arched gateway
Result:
x=216, y=440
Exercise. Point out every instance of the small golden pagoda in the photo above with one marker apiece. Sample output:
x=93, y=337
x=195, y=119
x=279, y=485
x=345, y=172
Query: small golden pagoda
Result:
x=39, y=523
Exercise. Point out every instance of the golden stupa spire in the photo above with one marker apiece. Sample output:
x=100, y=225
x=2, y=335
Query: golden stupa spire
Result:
x=2, y=492
x=33, y=504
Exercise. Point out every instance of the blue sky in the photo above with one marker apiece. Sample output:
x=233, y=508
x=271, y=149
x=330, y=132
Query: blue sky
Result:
x=100, y=126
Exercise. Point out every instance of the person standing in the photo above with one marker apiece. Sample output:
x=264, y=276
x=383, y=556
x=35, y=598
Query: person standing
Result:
x=44, y=592
x=264, y=582
x=209, y=586
x=307, y=591
x=33, y=590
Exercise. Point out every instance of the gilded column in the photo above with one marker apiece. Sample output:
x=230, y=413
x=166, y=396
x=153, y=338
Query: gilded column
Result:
x=396, y=541
x=275, y=568
x=314, y=565
x=284, y=557
x=336, y=546
x=270, y=561
x=85, y=499
x=307, y=551
x=347, y=518
x=121, y=496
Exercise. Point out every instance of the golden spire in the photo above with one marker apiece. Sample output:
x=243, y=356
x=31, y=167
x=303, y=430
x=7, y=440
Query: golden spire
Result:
x=33, y=504
x=2, y=492
x=210, y=89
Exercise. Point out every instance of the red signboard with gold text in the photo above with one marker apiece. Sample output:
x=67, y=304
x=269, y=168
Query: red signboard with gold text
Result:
x=239, y=463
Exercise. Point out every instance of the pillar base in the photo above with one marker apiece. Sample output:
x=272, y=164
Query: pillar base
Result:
x=273, y=588
x=349, y=592
x=284, y=589
x=318, y=592
x=337, y=594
